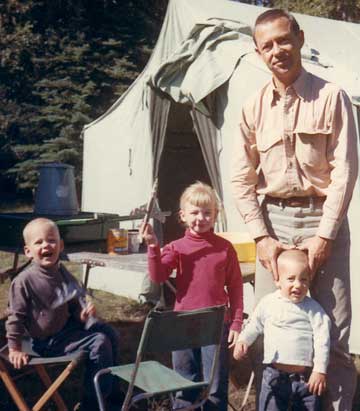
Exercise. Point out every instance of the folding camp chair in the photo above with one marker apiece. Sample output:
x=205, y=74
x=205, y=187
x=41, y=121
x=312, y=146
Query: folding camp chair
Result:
x=37, y=364
x=166, y=331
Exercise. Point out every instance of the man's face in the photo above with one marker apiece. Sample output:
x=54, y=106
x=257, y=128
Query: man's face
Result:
x=279, y=47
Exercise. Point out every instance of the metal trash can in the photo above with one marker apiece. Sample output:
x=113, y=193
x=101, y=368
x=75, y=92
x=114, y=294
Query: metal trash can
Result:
x=56, y=192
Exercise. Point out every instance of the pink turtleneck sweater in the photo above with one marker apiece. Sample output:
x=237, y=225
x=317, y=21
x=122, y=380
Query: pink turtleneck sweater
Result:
x=207, y=273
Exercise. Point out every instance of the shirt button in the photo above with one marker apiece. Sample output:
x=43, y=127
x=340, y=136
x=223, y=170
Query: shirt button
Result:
x=290, y=164
x=295, y=189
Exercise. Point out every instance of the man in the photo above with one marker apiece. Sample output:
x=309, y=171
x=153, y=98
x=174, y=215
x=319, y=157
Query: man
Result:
x=297, y=149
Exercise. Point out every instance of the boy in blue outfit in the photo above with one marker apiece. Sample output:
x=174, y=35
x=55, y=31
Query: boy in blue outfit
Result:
x=296, y=339
x=56, y=327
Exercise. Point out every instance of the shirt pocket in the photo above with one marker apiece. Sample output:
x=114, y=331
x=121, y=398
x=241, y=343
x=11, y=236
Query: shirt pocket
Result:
x=270, y=147
x=311, y=149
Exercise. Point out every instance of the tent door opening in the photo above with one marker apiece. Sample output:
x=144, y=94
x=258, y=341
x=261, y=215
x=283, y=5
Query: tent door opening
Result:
x=182, y=163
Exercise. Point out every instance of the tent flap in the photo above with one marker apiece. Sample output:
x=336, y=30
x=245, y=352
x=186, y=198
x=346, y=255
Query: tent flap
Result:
x=202, y=63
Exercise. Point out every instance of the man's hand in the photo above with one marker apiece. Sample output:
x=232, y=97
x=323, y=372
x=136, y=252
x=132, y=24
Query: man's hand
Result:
x=318, y=249
x=267, y=250
x=240, y=350
x=317, y=383
x=18, y=358
x=232, y=338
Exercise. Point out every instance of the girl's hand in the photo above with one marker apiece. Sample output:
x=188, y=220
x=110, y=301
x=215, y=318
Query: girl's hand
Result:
x=147, y=233
x=232, y=338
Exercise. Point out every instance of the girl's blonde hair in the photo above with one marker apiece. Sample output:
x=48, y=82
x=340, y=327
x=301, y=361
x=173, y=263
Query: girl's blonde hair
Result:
x=200, y=195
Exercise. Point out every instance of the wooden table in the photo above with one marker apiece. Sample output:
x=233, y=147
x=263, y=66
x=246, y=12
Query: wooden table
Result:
x=133, y=262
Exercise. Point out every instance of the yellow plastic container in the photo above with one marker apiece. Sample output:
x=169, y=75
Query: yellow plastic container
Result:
x=244, y=245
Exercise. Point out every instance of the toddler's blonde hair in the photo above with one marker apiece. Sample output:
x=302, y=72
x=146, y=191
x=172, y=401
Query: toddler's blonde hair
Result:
x=28, y=229
x=201, y=195
x=293, y=256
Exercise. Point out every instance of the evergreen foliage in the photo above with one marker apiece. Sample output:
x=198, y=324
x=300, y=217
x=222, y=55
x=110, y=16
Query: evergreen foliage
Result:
x=63, y=63
x=348, y=10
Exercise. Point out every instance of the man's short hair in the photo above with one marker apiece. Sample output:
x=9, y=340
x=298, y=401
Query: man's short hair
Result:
x=274, y=14
x=294, y=256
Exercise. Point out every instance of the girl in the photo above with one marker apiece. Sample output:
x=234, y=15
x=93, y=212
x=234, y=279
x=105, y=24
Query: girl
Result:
x=207, y=274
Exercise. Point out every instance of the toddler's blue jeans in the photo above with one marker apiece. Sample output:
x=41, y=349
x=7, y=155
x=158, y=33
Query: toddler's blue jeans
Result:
x=281, y=390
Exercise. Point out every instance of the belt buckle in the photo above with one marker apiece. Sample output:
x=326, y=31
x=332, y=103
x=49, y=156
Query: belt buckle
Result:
x=312, y=203
x=300, y=202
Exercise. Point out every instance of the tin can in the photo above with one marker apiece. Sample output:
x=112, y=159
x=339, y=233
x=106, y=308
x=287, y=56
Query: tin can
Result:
x=117, y=241
x=133, y=241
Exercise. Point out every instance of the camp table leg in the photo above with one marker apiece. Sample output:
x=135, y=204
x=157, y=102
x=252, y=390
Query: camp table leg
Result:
x=86, y=275
x=15, y=394
x=16, y=260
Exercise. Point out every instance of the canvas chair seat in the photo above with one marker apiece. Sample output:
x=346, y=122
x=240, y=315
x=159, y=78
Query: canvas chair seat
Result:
x=153, y=377
x=37, y=365
x=166, y=331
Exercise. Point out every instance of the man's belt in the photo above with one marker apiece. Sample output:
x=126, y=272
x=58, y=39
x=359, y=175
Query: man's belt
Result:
x=295, y=201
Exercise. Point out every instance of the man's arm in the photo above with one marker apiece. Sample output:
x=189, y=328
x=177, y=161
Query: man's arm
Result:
x=343, y=160
x=244, y=179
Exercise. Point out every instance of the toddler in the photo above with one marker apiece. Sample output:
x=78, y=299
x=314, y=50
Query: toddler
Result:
x=296, y=339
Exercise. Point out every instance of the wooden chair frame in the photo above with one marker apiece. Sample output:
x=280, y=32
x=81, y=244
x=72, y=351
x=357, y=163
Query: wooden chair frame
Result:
x=38, y=365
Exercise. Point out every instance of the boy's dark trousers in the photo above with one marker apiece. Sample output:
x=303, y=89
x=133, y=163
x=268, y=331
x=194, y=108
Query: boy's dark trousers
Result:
x=195, y=364
x=280, y=389
x=100, y=342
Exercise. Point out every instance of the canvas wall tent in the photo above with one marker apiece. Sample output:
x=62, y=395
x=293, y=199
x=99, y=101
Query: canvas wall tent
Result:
x=178, y=119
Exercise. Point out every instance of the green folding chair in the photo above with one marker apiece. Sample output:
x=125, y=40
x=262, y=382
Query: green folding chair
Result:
x=166, y=331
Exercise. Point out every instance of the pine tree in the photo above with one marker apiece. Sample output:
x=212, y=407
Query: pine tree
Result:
x=63, y=64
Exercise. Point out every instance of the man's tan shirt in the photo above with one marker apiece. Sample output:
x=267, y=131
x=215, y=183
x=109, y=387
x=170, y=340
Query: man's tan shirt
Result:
x=302, y=143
